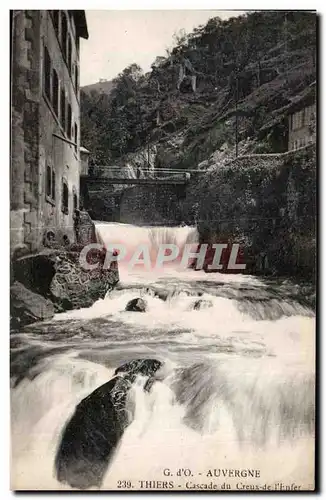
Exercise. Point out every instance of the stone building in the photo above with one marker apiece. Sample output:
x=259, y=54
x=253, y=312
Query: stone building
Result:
x=45, y=124
x=302, y=121
x=84, y=158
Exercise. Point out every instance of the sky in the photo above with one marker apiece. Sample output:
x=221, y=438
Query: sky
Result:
x=118, y=38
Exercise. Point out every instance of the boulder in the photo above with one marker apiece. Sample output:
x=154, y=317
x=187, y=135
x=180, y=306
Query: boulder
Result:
x=90, y=438
x=138, y=304
x=28, y=307
x=144, y=367
x=74, y=287
x=202, y=304
x=58, y=275
x=92, y=435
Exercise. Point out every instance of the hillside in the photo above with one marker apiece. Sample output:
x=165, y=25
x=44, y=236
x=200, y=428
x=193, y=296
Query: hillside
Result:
x=101, y=87
x=183, y=111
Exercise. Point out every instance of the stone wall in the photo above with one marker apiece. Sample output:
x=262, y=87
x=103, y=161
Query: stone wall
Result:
x=25, y=90
x=39, y=140
x=151, y=205
x=56, y=148
x=265, y=203
x=102, y=201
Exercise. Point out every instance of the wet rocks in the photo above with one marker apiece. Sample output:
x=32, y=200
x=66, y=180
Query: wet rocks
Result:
x=140, y=366
x=90, y=438
x=92, y=435
x=28, y=307
x=202, y=304
x=137, y=305
x=59, y=275
x=74, y=287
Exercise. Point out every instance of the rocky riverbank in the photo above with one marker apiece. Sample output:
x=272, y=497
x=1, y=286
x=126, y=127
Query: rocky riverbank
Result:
x=267, y=204
x=55, y=280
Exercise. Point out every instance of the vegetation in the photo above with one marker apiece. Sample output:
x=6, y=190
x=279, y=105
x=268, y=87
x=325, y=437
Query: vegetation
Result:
x=248, y=70
x=251, y=65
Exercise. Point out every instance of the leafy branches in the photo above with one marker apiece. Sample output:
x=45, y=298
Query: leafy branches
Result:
x=244, y=57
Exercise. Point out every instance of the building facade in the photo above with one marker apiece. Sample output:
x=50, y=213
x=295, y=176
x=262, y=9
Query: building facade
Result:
x=302, y=121
x=45, y=117
x=84, y=158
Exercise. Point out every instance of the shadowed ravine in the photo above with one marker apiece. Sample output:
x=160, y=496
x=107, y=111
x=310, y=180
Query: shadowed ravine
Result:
x=235, y=385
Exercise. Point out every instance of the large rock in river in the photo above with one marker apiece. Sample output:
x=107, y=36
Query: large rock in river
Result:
x=74, y=287
x=138, y=305
x=60, y=276
x=27, y=307
x=92, y=435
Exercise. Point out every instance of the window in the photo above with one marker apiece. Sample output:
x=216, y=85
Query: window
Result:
x=50, y=184
x=64, y=33
x=48, y=181
x=69, y=122
x=76, y=77
x=295, y=121
x=47, y=73
x=53, y=185
x=302, y=118
x=75, y=200
x=65, y=197
x=69, y=54
x=63, y=109
x=56, y=20
x=55, y=91
x=76, y=137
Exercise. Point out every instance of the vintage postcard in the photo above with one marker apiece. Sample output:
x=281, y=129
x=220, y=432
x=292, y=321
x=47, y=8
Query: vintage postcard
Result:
x=163, y=250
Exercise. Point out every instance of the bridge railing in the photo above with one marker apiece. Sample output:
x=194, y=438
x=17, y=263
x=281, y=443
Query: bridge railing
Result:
x=115, y=172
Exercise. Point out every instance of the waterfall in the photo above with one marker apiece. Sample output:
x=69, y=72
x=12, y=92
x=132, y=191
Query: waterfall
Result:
x=152, y=237
x=236, y=390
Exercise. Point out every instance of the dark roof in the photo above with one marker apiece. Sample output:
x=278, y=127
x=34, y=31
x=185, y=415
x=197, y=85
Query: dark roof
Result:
x=81, y=23
x=299, y=102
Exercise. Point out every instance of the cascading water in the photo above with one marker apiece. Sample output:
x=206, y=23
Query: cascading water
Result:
x=236, y=389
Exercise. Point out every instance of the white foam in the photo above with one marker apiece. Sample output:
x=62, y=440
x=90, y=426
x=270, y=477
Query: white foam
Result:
x=259, y=380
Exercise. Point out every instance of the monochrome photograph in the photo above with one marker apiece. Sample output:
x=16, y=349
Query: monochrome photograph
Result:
x=163, y=250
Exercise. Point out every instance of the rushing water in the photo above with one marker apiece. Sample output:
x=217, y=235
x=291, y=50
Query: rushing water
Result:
x=236, y=389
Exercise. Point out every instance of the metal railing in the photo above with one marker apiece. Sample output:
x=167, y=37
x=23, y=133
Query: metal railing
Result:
x=129, y=174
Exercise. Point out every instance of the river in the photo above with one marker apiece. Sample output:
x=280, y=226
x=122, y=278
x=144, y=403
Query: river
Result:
x=236, y=389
